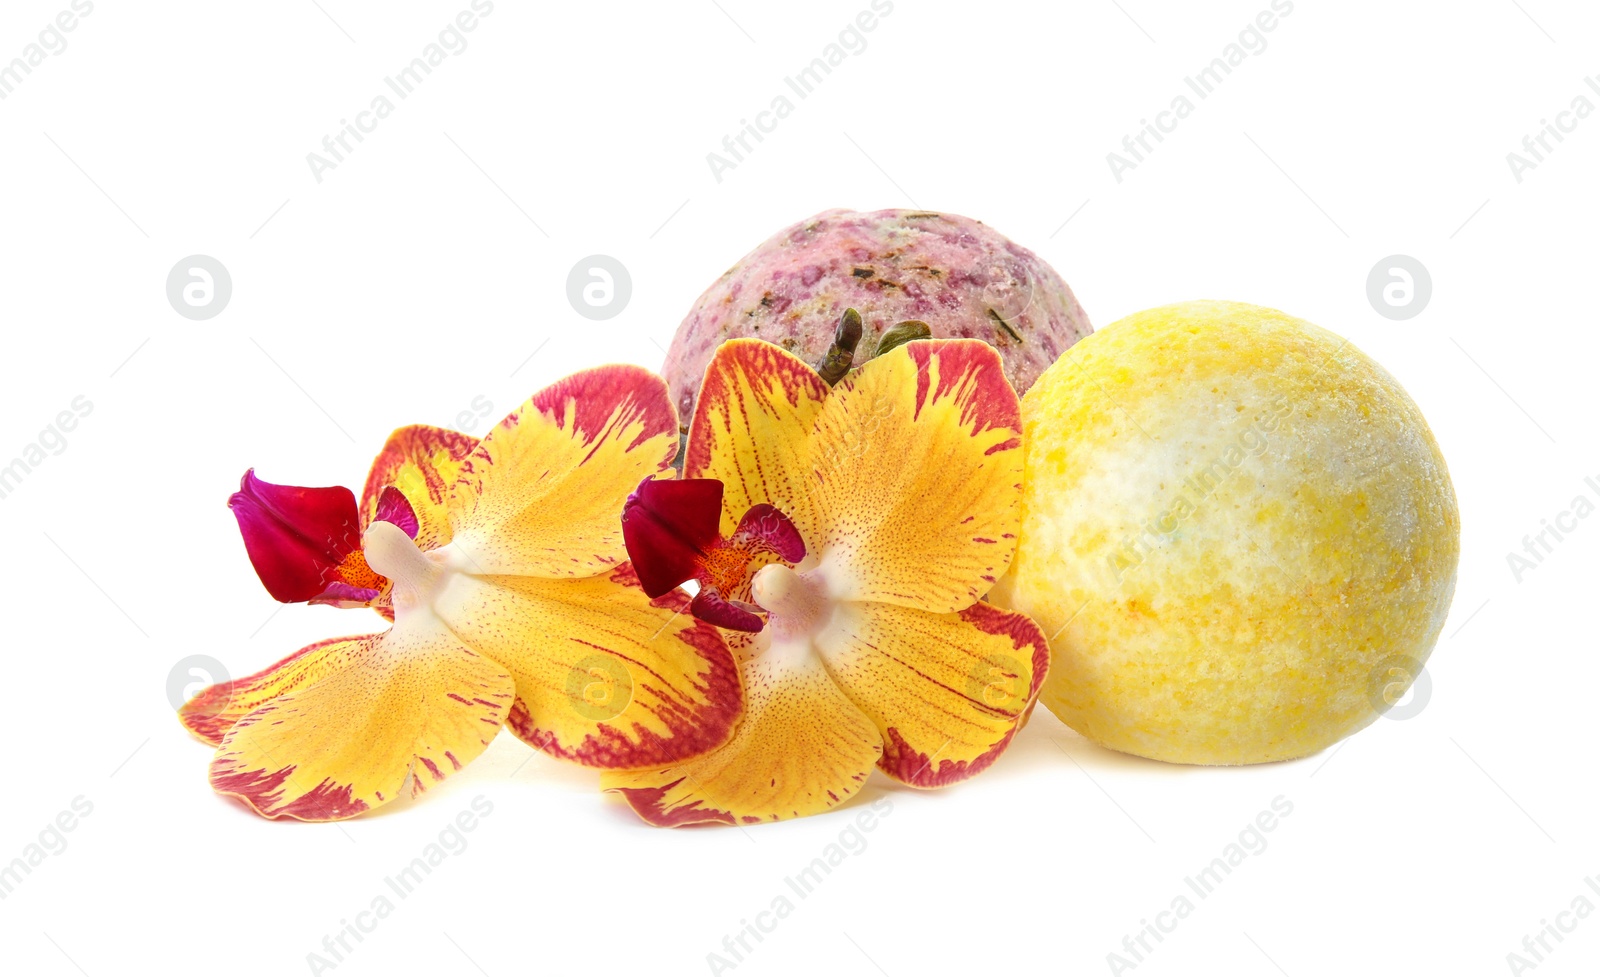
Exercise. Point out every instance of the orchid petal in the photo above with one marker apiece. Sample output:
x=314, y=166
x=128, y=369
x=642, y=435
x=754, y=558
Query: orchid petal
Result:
x=422, y=462
x=410, y=706
x=604, y=676
x=215, y=709
x=298, y=538
x=802, y=748
x=919, y=470
x=751, y=430
x=946, y=691
x=540, y=494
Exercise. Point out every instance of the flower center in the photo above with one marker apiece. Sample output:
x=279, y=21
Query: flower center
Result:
x=725, y=567
x=418, y=577
x=355, y=571
x=797, y=602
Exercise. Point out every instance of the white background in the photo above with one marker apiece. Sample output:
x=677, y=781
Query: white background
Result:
x=429, y=266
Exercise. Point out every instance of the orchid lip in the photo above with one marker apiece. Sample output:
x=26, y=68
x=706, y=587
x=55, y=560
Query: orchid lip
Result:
x=668, y=525
x=297, y=538
x=672, y=531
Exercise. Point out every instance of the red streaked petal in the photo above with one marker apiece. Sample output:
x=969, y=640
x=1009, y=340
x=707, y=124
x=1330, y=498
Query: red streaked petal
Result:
x=407, y=707
x=604, y=675
x=296, y=537
x=709, y=606
x=971, y=376
x=215, y=709
x=947, y=691
x=752, y=428
x=393, y=506
x=919, y=477
x=801, y=748
x=765, y=529
x=423, y=462
x=668, y=525
x=541, y=493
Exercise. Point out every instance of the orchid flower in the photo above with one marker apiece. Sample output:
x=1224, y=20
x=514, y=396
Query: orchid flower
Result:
x=502, y=567
x=849, y=534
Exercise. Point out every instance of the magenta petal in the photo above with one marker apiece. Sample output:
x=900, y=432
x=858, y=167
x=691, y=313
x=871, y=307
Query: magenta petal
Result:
x=393, y=506
x=296, y=537
x=709, y=607
x=667, y=526
x=763, y=528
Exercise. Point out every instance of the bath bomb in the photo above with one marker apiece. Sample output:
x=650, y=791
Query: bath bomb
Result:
x=955, y=274
x=1237, y=530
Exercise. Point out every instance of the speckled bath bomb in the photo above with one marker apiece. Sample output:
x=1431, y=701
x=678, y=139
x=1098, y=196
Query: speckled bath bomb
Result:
x=1238, y=530
x=963, y=279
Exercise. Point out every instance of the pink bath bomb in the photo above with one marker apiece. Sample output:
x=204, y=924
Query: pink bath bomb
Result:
x=963, y=279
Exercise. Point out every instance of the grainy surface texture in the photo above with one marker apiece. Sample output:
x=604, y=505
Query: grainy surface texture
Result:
x=962, y=278
x=1237, y=529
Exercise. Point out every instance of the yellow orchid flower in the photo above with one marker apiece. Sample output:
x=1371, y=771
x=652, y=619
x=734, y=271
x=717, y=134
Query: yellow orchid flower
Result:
x=501, y=564
x=849, y=534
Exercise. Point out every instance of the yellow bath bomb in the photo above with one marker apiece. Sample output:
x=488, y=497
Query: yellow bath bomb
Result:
x=1237, y=530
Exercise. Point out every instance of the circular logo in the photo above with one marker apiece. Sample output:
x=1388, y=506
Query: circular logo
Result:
x=199, y=287
x=599, y=287
x=1399, y=287
x=191, y=676
x=998, y=682
x=1388, y=683
x=1008, y=299
x=599, y=688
